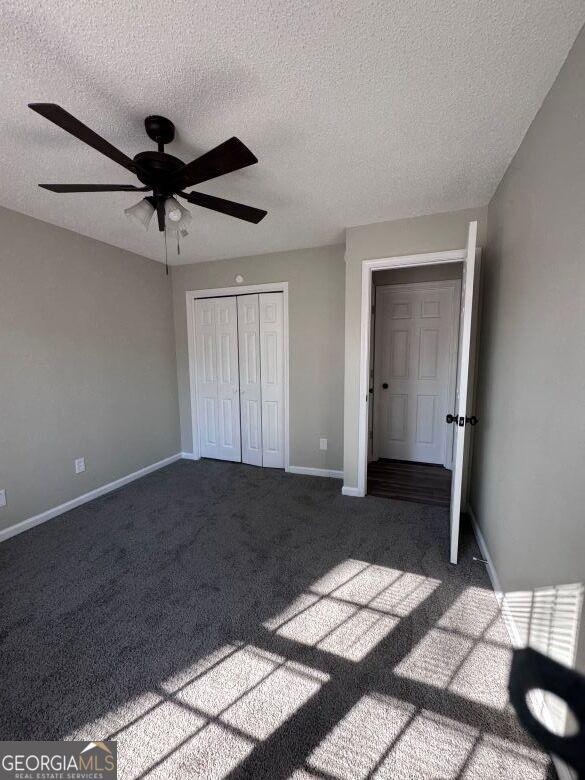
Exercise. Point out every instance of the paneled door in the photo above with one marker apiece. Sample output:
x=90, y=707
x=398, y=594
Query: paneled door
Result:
x=272, y=377
x=218, y=401
x=250, y=387
x=414, y=370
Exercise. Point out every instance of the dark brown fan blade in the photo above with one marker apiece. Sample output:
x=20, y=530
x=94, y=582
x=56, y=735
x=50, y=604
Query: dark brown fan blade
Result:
x=93, y=188
x=239, y=210
x=160, y=213
x=66, y=121
x=229, y=156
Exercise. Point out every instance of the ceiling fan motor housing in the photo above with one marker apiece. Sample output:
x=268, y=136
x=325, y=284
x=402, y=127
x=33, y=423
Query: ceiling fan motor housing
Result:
x=155, y=168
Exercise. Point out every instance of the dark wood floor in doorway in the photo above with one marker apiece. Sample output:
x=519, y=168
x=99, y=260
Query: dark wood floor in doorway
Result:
x=425, y=483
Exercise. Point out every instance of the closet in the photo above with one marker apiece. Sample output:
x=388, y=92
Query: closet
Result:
x=239, y=353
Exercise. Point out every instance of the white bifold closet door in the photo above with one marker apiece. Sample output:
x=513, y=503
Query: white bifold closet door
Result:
x=240, y=378
x=261, y=345
x=272, y=378
x=218, y=398
x=250, y=387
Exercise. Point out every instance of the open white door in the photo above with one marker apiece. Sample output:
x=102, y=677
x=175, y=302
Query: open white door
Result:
x=464, y=387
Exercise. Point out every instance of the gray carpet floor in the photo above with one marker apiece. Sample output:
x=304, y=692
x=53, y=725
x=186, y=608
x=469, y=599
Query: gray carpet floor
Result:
x=224, y=621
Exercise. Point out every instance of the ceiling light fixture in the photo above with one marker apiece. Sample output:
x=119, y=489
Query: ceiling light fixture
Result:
x=173, y=210
x=141, y=212
x=161, y=173
x=177, y=217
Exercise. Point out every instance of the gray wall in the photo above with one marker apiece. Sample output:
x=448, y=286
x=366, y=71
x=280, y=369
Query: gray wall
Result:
x=528, y=488
x=87, y=365
x=432, y=233
x=316, y=283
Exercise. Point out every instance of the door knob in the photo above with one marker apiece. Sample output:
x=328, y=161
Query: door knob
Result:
x=385, y=385
x=452, y=418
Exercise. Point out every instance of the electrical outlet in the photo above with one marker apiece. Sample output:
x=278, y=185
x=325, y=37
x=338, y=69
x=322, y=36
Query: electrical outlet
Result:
x=322, y=444
x=79, y=465
x=2, y=498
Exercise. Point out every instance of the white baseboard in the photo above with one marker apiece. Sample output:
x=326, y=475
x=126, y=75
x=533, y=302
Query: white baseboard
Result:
x=351, y=491
x=189, y=456
x=311, y=472
x=491, y=569
x=49, y=514
x=538, y=700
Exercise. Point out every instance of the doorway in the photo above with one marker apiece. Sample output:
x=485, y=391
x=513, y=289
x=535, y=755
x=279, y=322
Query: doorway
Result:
x=461, y=416
x=415, y=367
x=238, y=363
x=416, y=329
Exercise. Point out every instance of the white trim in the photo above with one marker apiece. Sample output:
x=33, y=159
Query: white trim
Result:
x=351, y=491
x=427, y=258
x=454, y=287
x=190, y=303
x=49, y=514
x=190, y=456
x=243, y=289
x=538, y=700
x=190, y=297
x=312, y=472
x=491, y=569
x=368, y=266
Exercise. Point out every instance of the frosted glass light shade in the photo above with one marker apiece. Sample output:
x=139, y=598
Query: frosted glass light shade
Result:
x=173, y=209
x=141, y=213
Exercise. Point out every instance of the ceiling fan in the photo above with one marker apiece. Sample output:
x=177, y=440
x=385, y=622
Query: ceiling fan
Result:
x=160, y=173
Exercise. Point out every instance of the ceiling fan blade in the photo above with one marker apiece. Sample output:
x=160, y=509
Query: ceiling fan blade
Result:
x=66, y=121
x=239, y=210
x=93, y=188
x=229, y=156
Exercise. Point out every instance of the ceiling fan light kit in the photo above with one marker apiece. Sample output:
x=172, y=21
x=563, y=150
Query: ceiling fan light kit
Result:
x=172, y=210
x=177, y=217
x=160, y=173
x=141, y=212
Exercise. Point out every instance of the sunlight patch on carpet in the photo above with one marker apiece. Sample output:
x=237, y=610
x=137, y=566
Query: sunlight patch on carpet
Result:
x=352, y=608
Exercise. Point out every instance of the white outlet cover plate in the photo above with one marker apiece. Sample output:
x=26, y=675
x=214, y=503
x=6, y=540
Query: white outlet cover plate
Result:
x=2, y=498
x=79, y=465
x=322, y=444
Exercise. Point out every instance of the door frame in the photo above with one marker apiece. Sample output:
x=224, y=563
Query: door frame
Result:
x=368, y=267
x=444, y=284
x=221, y=292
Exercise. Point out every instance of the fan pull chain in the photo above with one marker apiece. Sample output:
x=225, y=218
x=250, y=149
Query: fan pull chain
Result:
x=166, y=254
x=178, y=245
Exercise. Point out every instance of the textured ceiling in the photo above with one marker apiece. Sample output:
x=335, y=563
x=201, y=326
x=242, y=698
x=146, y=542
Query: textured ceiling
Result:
x=358, y=111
